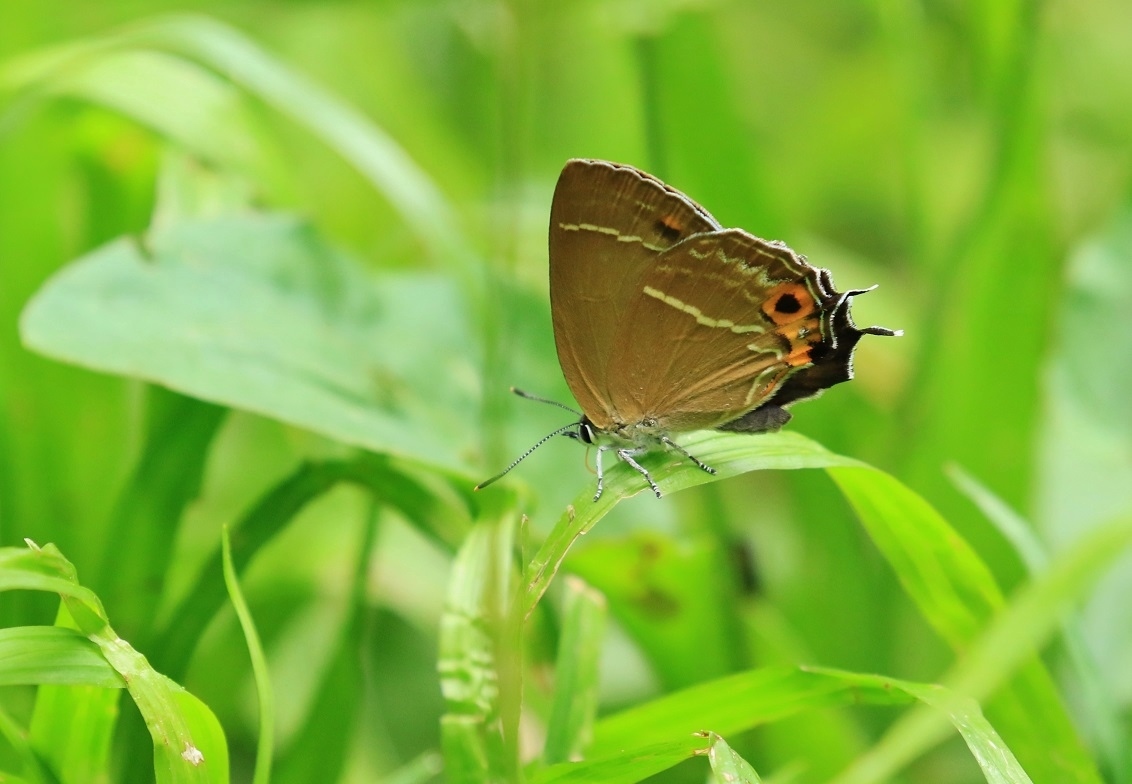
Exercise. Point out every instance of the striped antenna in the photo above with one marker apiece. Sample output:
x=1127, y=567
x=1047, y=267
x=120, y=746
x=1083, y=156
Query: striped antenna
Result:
x=526, y=454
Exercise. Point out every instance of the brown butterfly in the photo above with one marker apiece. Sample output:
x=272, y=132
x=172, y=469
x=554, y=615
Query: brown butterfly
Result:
x=666, y=322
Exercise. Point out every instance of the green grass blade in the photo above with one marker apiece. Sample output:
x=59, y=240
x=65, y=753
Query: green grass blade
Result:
x=476, y=661
x=957, y=596
x=940, y=572
x=189, y=745
x=51, y=654
x=355, y=137
x=1027, y=710
x=729, y=455
x=436, y=515
x=207, y=117
x=265, y=742
x=1034, y=614
x=72, y=728
x=726, y=765
x=1100, y=715
x=734, y=704
x=570, y=726
x=1009, y=523
x=224, y=50
x=737, y=703
x=955, y=415
x=421, y=770
x=644, y=761
x=36, y=768
x=76, y=705
x=321, y=744
x=940, y=705
x=165, y=479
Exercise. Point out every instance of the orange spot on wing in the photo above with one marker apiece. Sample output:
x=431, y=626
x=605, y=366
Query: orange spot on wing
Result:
x=669, y=227
x=787, y=303
x=799, y=356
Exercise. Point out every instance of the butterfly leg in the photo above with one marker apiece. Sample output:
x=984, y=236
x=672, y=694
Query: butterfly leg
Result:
x=600, y=473
x=673, y=445
x=627, y=455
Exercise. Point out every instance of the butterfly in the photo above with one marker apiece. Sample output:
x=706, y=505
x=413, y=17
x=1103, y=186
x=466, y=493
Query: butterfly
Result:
x=666, y=322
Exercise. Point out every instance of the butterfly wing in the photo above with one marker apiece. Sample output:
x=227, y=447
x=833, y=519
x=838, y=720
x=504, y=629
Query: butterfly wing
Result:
x=608, y=225
x=714, y=328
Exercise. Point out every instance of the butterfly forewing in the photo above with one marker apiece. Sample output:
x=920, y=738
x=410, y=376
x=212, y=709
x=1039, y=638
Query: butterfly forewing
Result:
x=608, y=224
x=736, y=317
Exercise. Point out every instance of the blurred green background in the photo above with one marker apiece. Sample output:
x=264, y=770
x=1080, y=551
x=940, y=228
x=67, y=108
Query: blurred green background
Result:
x=974, y=159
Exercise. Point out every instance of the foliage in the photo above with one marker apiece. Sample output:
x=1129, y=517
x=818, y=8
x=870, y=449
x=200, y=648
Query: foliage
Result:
x=272, y=268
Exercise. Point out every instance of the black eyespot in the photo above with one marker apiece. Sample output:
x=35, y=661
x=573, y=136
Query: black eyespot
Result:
x=787, y=303
x=667, y=230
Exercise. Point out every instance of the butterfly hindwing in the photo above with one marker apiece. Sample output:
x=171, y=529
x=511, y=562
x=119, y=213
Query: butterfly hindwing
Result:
x=736, y=316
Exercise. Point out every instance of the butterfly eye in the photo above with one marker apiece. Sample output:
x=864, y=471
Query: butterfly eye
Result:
x=787, y=303
x=586, y=433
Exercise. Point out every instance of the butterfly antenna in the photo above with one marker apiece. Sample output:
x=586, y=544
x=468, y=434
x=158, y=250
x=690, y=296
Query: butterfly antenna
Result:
x=537, y=399
x=527, y=454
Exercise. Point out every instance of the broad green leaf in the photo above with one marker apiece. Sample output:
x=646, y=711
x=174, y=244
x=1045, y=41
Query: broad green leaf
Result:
x=257, y=313
x=203, y=755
